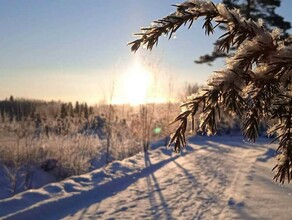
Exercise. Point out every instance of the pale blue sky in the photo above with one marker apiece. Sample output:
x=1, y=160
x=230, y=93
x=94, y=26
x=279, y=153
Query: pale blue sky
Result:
x=74, y=50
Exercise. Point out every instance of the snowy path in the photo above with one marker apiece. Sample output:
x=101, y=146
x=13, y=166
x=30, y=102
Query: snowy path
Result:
x=218, y=178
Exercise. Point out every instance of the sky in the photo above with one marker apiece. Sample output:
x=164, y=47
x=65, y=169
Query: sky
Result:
x=77, y=50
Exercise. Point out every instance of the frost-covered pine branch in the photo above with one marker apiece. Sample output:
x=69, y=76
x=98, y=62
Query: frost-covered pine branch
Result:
x=255, y=84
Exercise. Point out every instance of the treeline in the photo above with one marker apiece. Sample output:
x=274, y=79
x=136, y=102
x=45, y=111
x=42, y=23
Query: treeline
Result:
x=79, y=110
x=18, y=109
x=15, y=109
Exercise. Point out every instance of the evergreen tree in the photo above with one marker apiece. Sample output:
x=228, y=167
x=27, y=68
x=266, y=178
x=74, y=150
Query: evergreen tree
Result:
x=256, y=83
x=70, y=109
x=18, y=107
x=11, y=99
x=81, y=109
x=86, y=112
x=11, y=108
x=2, y=109
x=253, y=9
x=64, y=112
x=77, y=108
x=90, y=110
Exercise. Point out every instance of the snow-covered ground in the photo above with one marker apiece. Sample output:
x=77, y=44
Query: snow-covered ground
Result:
x=216, y=178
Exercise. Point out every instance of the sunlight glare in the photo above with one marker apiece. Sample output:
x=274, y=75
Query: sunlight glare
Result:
x=137, y=84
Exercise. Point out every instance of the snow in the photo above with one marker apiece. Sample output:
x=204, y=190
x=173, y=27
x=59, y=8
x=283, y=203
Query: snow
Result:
x=38, y=178
x=216, y=178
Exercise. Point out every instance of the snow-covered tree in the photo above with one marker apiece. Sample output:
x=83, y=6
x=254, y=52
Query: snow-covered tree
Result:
x=255, y=83
x=253, y=9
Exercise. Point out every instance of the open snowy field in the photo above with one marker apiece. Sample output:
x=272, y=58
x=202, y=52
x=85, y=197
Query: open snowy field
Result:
x=216, y=178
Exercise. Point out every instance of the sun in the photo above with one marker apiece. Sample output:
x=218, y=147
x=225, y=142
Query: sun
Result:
x=136, y=84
